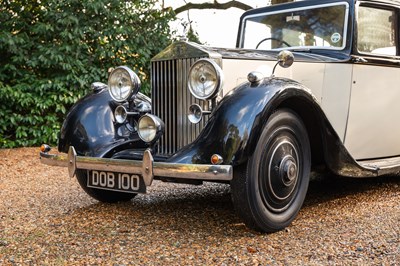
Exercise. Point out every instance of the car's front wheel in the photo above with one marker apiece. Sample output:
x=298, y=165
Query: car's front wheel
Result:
x=100, y=194
x=269, y=190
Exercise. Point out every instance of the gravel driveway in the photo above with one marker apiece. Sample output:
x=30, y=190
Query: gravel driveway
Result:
x=47, y=219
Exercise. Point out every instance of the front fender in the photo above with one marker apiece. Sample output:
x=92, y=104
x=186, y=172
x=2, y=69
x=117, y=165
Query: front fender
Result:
x=235, y=125
x=90, y=127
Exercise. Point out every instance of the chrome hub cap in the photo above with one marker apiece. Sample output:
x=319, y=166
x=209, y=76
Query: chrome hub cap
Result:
x=288, y=170
x=280, y=175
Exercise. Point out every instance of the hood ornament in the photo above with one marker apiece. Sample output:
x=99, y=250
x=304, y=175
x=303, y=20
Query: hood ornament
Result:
x=183, y=37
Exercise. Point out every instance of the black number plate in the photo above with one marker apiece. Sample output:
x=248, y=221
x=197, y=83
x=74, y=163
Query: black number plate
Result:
x=120, y=182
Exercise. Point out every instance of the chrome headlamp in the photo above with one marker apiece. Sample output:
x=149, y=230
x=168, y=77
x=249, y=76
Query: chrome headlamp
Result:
x=150, y=128
x=123, y=83
x=205, y=79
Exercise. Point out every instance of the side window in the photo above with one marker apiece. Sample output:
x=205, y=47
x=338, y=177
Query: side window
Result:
x=376, y=31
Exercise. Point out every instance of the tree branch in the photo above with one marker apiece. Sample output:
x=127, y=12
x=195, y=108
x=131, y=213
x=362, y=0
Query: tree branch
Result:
x=213, y=5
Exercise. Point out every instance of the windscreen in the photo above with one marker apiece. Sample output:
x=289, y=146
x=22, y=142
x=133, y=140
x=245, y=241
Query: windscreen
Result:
x=322, y=26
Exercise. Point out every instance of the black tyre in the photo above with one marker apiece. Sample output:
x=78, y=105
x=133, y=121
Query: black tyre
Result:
x=269, y=190
x=100, y=194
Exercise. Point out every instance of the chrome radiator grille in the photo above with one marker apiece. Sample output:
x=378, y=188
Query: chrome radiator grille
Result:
x=171, y=100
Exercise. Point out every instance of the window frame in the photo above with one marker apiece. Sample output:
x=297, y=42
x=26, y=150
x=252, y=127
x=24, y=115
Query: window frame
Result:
x=395, y=11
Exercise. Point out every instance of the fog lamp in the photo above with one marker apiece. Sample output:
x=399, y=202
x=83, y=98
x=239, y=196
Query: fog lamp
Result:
x=150, y=128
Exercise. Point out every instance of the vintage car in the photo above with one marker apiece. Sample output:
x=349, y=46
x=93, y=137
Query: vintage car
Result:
x=233, y=116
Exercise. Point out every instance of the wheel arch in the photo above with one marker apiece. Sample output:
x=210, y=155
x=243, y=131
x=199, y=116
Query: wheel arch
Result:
x=300, y=100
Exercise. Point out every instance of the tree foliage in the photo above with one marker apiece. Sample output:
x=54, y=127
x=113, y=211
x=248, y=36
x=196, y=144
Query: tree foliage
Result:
x=212, y=5
x=52, y=50
x=226, y=5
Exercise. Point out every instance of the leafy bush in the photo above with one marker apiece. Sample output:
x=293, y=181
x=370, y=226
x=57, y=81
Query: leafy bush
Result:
x=52, y=50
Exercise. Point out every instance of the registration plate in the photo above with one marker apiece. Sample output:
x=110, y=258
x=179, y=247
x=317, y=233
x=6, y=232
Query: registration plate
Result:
x=120, y=182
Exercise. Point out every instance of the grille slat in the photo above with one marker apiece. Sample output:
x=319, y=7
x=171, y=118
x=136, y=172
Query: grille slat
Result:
x=180, y=104
x=164, y=105
x=174, y=103
x=171, y=101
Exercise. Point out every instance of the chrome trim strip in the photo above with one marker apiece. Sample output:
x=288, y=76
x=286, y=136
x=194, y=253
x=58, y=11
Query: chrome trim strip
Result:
x=147, y=168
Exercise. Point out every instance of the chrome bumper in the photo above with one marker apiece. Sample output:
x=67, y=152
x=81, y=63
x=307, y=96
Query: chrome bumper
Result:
x=147, y=168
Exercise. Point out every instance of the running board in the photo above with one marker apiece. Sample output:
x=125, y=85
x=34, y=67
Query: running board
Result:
x=382, y=166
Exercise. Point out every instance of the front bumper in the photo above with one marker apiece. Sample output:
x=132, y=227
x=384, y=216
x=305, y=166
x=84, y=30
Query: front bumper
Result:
x=147, y=168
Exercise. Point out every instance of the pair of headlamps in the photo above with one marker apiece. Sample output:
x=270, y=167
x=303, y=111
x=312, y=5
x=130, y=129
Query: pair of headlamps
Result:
x=123, y=83
x=204, y=81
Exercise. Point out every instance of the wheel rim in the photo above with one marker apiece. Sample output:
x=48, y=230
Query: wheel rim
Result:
x=279, y=177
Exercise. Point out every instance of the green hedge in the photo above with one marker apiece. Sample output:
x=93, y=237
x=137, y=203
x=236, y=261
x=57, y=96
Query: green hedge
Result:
x=52, y=50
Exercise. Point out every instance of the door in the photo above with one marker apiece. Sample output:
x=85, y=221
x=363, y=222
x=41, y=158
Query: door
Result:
x=373, y=128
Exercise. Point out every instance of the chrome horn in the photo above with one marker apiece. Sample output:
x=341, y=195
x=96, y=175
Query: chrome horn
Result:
x=121, y=114
x=196, y=113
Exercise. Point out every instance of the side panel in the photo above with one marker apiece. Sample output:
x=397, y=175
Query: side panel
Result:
x=373, y=128
x=336, y=96
x=309, y=74
x=236, y=71
x=330, y=83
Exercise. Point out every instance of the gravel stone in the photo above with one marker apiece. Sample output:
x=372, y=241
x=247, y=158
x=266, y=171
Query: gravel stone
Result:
x=47, y=219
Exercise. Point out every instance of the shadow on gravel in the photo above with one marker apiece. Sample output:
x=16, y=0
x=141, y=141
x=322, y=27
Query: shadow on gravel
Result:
x=327, y=187
x=205, y=210
x=208, y=210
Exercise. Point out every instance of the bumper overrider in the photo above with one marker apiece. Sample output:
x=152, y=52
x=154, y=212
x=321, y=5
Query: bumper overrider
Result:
x=147, y=168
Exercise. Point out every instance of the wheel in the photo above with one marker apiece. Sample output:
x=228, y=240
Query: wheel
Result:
x=275, y=39
x=100, y=194
x=269, y=190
